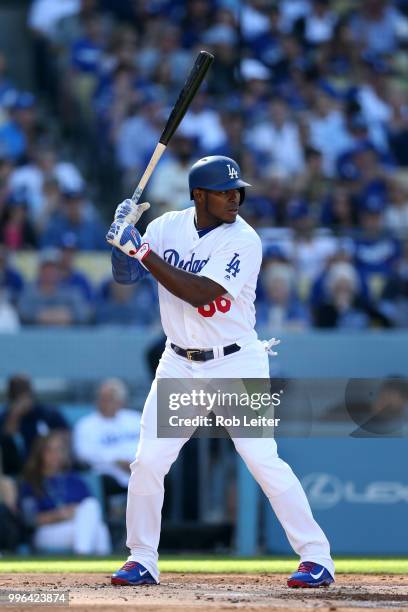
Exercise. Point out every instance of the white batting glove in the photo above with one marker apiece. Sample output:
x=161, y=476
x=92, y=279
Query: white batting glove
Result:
x=269, y=344
x=130, y=212
x=126, y=238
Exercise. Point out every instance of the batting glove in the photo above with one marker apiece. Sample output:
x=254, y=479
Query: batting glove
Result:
x=269, y=344
x=126, y=238
x=130, y=212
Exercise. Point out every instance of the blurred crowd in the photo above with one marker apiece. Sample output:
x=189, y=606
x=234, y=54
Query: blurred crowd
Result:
x=61, y=295
x=60, y=482
x=310, y=97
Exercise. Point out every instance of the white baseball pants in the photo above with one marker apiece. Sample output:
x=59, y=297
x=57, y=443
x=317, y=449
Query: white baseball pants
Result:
x=156, y=455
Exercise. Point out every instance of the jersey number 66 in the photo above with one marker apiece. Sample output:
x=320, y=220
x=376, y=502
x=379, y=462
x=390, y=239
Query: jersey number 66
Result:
x=222, y=304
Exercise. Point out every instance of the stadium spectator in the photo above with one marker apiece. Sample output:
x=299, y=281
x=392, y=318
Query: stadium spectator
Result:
x=320, y=84
x=290, y=11
x=165, y=46
x=10, y=279
x=6, y=169
x=44, y=15
x=85, y=64
x=126, y=304
x=196, y=19
x=74, y=218
x=27, y=117
x=394, y=298
x=376, y=250
x=222, y=40
x=52, y=203
x=338, y=211
x=169, y=185
x=43, y=18
x=13, y=141
x=278, y=138
x=231, y=146
x=344, y=307
x=327, y=128
x=106, y=439
x=70, y=27
x=255, y=89
x=203, y=123
x=28, y=180
x=396, y=213
x=373, y=98
x=317, y=26
x=340, y=54
x=343, y=254
x=71, y=276
x=12, y=530
x=9, y=319
x=266, y=46
x=281, y=309
x=23, y=419
x=312, y=183
x=7, y=87
x=377, y=26
x=310, y=248
x=45, y=302
x=17, y=231
x=58, y=504
x=254, y=21
x=131, y=150
x=398, y=127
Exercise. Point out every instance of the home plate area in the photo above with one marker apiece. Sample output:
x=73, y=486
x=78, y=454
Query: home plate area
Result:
x=201, y=592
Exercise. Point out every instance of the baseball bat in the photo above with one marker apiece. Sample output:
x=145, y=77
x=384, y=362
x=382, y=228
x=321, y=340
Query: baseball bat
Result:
x=190, y=87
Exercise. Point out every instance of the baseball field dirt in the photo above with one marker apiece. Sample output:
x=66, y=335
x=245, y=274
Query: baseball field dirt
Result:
x=212, y=592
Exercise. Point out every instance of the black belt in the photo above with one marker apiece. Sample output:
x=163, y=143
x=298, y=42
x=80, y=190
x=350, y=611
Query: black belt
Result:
x=199, y=355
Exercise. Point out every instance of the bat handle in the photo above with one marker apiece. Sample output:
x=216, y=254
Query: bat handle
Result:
x=154, y=160
x=136, y=194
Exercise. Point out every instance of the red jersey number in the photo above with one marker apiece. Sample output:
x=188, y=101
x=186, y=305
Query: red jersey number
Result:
x=222, y=304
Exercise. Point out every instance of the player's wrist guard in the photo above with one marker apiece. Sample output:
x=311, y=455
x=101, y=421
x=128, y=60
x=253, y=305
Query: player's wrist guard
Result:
x=141, y=252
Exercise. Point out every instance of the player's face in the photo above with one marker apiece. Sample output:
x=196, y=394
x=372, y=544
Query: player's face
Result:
x=217, y=206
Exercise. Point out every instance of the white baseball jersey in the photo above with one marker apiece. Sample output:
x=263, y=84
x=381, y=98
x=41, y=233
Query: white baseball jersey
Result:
x=230, y=255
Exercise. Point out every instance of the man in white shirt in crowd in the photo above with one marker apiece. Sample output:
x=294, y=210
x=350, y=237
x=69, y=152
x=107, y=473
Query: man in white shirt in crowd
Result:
x=106, y=439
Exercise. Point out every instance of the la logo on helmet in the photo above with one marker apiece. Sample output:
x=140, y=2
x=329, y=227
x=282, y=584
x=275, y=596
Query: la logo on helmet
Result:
x=232, y=173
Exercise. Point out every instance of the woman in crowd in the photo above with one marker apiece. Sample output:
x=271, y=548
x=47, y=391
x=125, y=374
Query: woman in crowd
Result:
x=58, y=503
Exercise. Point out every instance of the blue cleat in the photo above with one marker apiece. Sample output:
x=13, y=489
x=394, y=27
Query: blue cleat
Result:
x=310, y=575
x=132, y=574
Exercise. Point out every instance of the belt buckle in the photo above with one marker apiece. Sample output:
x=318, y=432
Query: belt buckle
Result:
x=190, y=354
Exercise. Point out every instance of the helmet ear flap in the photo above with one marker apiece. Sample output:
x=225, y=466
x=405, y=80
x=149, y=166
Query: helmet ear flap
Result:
x=241, y=195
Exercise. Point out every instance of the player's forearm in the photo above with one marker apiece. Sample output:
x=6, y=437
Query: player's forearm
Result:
x=11, y=425
x=196, y=290
x=50, y=516
x=125, y=269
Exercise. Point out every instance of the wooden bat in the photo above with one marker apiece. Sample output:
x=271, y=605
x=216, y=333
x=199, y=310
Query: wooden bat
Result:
x=190, y=87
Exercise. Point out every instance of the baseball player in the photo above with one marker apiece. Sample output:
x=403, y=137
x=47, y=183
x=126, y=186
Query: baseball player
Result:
x=206, y=260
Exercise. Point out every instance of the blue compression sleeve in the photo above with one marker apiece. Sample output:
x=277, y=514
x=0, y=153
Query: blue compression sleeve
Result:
x=126, y=270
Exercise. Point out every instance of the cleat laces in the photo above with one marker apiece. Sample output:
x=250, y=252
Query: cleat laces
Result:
x=129, y=565
x=306, y=567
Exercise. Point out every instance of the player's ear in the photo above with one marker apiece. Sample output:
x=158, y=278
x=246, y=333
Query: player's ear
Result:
x=198, y=194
